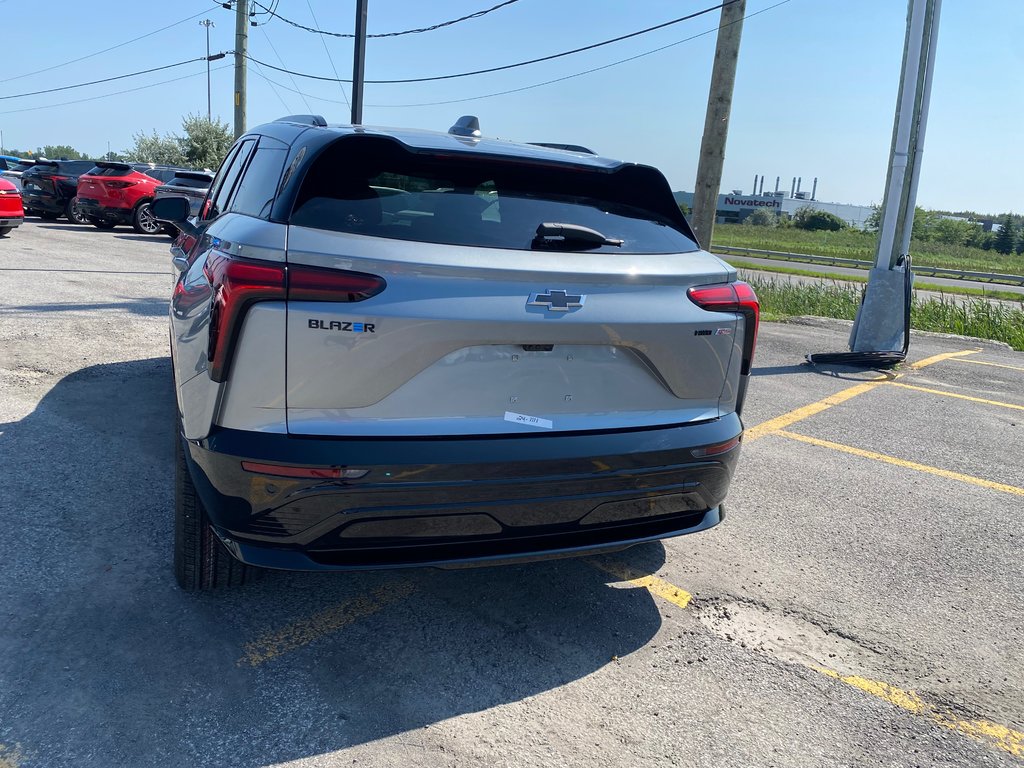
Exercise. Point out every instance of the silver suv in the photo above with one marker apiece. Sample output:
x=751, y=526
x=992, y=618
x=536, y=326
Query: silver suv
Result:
x=403, y=348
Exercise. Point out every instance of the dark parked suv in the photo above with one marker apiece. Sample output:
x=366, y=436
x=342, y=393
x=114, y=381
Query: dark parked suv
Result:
x=398, y=347
x=49, y=188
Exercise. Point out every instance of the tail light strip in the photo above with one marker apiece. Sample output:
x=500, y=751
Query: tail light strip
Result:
x=237, y=284
x=736, y=297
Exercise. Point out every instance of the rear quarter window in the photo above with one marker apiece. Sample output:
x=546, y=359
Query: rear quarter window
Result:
x=373, y=186
x=258, y=186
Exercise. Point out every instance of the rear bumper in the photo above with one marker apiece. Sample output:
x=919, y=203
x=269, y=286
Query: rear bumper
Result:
x=94, y=210
x=444, y=501
x=11, y=221
x=45, y=203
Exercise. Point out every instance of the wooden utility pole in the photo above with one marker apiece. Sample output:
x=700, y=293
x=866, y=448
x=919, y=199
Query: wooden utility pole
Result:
x=359, y=62
x=716, y=122
x=241, y=50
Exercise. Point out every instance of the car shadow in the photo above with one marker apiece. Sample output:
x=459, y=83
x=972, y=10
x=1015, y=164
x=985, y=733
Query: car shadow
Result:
x=157, y=238
x=147, y=307
x=106, y=662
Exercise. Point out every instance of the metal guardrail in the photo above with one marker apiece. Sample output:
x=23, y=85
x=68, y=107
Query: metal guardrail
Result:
x=837, y=261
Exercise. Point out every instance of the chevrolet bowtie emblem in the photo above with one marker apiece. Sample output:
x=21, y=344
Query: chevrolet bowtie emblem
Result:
x=556, y=301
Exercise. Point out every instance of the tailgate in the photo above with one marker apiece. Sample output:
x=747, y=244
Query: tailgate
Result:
x=469, y=340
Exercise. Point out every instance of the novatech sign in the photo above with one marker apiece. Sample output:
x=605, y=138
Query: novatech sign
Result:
x=752, y=202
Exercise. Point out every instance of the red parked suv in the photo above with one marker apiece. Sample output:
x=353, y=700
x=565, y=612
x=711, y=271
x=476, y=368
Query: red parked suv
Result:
x=11, y=212
x=120, y=193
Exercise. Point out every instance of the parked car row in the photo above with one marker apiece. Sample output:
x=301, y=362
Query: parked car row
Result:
x=104, y=194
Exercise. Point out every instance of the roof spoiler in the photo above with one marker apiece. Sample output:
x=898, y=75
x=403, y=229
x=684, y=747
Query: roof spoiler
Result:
x=564, y=147
x=315, y=120
x=194, y=175
x=113, y=164
x=44, y=161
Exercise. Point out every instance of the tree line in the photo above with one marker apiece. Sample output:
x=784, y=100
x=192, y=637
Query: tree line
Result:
x=201, y=144
x=929, y=227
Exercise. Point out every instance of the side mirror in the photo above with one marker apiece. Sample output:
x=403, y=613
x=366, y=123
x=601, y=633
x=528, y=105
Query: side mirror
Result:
x=174, y=209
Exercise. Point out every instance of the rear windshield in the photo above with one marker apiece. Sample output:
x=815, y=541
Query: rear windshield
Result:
x=76, y=167
x=110, y=172
x=374, y=187
x=184, y=181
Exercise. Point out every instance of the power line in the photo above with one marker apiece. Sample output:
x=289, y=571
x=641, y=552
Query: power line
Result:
x=328, y=52
x=578, y=74
x=105, y=50
x=115, y=93
x=271, y=44
x=214, y=57
x=590, y=47
x=534, y=85
x=272, y=84
x=431, y=28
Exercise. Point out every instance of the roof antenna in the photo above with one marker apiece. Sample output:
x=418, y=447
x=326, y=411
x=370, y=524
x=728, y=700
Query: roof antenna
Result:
x=467, y=125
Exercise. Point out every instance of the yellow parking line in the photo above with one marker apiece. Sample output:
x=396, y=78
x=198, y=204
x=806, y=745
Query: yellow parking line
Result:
x=788, y=419
x=301, y=633
x=990, y=484
x=958, y=396
x=944, y=356
x=654, y=585
x=799, y=414
x=985, y=731
x=994, y=734
x=994, y=365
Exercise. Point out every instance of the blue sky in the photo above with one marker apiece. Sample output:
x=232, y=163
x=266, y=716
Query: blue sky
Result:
x=815, y=93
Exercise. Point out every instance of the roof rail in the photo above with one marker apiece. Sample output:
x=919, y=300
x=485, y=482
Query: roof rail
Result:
x=316, y=120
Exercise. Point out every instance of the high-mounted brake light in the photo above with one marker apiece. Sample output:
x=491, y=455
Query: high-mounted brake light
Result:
x=732, y=297
x=239, y=283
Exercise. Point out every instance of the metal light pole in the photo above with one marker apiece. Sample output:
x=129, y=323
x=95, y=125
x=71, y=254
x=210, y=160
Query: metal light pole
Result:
x=880, y=319
x=359, y=62
x=207, y=23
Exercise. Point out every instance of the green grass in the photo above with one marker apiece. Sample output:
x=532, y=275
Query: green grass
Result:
x=918, y=285
x=854, y=244
x=966, y=317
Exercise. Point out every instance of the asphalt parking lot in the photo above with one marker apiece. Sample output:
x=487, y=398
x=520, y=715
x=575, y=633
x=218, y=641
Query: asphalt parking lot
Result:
x=861, y=605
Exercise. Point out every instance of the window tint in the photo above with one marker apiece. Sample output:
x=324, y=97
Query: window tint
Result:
x=75, y=167
x=373, y=186
x=224, y=184
x=110, y=171
x=258, y=187
x=184, y=181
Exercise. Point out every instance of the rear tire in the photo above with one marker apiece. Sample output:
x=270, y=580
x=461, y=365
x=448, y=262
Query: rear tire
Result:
x=101, y=223
x=143, y=220
x=200, y=560
x=74, y=213
x=5, y=231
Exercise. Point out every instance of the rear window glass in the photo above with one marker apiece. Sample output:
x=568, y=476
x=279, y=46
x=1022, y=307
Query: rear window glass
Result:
x=75, y=167
x=110, y=172
x=180, y=181
x=374, y=187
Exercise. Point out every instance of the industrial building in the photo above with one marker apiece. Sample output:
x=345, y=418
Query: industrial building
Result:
x=735, y=206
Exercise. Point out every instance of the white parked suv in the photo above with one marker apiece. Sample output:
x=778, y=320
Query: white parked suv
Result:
x=399, y=347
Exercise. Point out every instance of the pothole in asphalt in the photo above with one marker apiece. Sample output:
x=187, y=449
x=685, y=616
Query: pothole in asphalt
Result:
x=786, y=637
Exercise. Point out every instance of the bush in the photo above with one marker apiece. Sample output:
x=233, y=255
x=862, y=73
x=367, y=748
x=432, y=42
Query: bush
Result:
x=813, y=219
x=762, y=217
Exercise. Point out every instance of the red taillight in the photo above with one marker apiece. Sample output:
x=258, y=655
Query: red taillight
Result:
x=732, y=297
x=239, y=283
x=315, y=284
x=717, y=449
x=60, y=178
x=119, y=184
x=284, y=470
